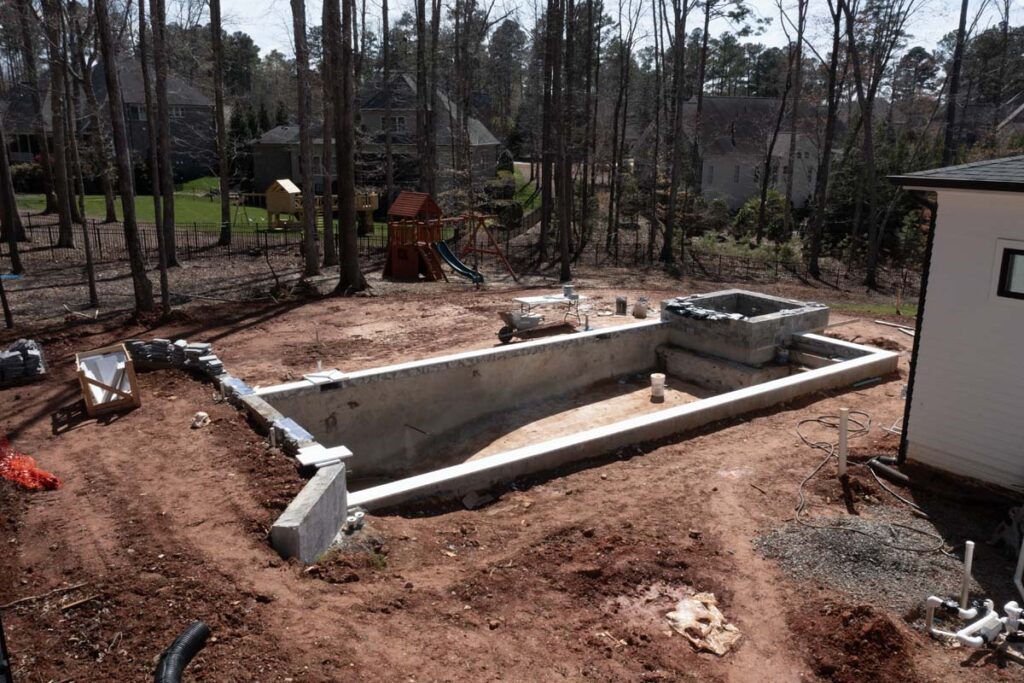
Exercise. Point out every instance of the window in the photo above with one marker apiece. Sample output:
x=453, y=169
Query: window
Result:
x=397, y=123
x=177, y=112
x=1011, y=274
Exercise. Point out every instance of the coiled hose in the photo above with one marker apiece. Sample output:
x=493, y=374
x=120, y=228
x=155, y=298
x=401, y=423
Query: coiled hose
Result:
x=175, y=658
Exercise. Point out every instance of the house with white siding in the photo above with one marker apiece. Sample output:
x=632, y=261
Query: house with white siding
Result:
x=965, y=397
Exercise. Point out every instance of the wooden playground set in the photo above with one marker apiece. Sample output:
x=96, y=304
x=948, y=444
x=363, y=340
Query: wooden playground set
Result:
x=416, y=245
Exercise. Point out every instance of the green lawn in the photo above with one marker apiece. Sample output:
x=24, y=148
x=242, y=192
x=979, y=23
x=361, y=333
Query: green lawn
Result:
x=907, y=309
x=188, y=209
x=524, y=190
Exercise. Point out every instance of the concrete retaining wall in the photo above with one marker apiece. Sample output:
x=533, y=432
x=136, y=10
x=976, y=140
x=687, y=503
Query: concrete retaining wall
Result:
x=311, y=521
x=717, y=374
x=393, y=417
x=504, y=467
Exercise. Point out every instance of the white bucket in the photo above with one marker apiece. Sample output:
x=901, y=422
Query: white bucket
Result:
x=657, y=387
x=567, y=291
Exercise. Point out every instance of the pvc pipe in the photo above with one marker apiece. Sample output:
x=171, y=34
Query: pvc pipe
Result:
x=657, y=387
x=844, y=422
x=932, y=603
x=966, y=583
x=987, y=623
x=1018, y=575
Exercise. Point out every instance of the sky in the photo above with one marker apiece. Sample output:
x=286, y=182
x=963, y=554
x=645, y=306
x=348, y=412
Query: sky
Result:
x=269, y=21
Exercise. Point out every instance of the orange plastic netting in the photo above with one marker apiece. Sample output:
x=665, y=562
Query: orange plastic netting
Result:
x=22, y=470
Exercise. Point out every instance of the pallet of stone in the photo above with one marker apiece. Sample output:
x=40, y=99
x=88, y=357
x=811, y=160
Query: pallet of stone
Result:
x=22, y=362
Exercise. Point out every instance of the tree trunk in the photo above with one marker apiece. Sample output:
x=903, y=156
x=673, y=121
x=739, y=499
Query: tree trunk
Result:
x=949, y=139
x=351, y=279
x=221, y=124
x=28, y=57
x=327, y=128
x=766, y=176
x=680, y=10
x=652, y=231
x=158, y=20
x=389, y=171
x=564, y=141
x=62, y=184
x=154, y=175
x=421, y=96
x=547, y=144
x=309, y=247
x=143, y=288
x=825, y=158
x=696, y=162
x=10, y=220
x=798, y=68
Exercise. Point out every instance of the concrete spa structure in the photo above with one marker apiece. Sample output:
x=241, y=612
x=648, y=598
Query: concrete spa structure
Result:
x=449, y=426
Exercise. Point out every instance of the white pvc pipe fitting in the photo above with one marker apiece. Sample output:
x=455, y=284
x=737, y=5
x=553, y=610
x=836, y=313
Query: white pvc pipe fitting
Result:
x=966, y=583
x=657, y=387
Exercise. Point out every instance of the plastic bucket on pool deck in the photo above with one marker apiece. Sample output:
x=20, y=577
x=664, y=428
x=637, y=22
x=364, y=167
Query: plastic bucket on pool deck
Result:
x=620, y=305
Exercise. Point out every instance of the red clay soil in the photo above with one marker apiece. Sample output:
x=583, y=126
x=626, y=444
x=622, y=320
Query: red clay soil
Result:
x=563, y=578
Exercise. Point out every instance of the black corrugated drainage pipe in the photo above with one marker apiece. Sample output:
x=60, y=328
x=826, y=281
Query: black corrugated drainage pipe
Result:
x=175, y=658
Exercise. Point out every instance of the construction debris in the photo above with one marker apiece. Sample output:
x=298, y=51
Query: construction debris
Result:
x=200, y=420
x=699, y=620
x=22, y=362
x=181, y=354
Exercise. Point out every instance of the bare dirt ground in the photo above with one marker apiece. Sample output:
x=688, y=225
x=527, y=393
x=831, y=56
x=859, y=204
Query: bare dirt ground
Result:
x=565, y=577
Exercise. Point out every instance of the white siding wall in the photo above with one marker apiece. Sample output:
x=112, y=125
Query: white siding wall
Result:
x=967, y=415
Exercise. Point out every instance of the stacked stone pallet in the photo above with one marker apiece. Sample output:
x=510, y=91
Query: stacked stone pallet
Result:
x=22, y=361
x=175, y=354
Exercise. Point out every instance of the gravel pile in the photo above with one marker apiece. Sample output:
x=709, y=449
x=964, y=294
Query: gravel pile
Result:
x=876, y=565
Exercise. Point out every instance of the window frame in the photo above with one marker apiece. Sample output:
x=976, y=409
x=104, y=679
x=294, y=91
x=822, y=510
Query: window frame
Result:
x=1005, y=259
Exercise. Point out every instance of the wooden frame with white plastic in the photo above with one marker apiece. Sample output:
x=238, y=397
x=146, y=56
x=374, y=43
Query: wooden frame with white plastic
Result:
x=125, y=400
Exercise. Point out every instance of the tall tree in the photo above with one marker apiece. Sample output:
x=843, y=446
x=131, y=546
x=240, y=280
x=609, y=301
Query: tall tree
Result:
x=310, y=251
x=680, y=13
x=122, y=153
x=10, y=220
x=327, y=128
x=26, y=23
x=154, y=174
x=794, y=117
x=949, y=137
x=223, y=167
x=350, y=280
x=389, y=170
x=165, y=161
x=52, y=22
x=832, y=96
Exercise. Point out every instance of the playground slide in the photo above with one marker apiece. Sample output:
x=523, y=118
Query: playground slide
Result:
x=458, y=266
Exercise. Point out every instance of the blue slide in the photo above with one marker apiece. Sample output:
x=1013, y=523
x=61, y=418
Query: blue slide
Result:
x=458, y=266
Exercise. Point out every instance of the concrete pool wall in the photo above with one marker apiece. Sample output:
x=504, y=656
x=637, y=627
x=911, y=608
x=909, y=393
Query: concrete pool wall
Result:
x=392, y=418
x=414, y=431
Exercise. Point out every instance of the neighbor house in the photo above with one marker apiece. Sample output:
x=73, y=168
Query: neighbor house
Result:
x=966, y=384
x=735, y=133
x=276, y=153
x=193, y=137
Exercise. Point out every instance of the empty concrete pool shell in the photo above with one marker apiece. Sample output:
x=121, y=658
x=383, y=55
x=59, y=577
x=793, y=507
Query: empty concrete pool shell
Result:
x=447, y=426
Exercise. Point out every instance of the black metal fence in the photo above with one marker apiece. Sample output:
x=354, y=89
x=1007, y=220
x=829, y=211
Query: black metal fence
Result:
x=199, y=240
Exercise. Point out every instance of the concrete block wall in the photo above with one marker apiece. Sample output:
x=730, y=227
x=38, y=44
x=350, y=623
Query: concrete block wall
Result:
x=716, y=374
x=392, y=417
x=311, y=521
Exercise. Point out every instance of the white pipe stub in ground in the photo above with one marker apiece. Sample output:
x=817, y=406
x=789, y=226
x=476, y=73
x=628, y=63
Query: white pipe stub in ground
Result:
x=657, y=387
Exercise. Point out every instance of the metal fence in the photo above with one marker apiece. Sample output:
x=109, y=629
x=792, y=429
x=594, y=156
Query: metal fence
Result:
x=199, y=240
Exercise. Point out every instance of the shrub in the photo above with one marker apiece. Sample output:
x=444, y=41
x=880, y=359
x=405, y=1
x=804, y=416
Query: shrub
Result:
x=27, y=178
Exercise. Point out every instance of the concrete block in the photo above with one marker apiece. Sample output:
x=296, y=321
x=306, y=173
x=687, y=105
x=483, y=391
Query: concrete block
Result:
x=311, y=521
x=717, y=374
x=318, y=455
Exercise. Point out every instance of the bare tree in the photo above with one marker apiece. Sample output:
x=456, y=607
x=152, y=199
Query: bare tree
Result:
x=310, y=251
x=10, y=220
x=26, y=20
x=122, y=153
x=217, y=43
x=327, y=127
x=165, y=161
x=351, y=278
x=949, y=137
x=154, y=174
x=833, y=94
x=62, y=182
x=794, y=117
x=389, y=171
x=680, y=13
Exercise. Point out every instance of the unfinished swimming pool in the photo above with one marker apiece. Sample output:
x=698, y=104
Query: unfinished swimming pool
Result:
x=447, y=426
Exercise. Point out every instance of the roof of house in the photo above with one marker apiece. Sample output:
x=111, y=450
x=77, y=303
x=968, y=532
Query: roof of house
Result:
x=1005, y=175
x=733, y=125
x=18, y=114
x=403, y=98
x=414, y=205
